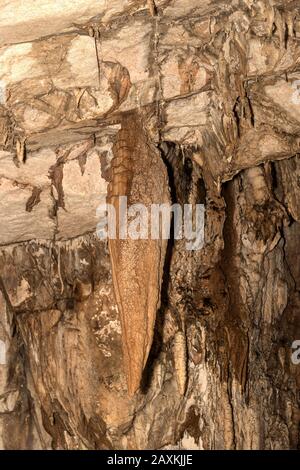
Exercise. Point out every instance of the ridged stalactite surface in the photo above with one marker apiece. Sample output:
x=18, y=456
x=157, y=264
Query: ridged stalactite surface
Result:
x=138, y=173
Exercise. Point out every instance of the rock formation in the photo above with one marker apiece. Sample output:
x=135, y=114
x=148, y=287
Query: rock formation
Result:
x=207, y=95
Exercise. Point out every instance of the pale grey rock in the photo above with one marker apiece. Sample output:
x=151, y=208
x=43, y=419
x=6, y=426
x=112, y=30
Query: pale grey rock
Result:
x=83, y=193
x=19, y=224
x=25, y=21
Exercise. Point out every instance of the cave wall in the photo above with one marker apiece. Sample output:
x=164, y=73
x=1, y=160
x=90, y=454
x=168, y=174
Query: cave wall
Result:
x=215, y=84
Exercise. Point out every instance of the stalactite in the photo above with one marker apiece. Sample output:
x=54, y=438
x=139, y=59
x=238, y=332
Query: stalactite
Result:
x=138, y=172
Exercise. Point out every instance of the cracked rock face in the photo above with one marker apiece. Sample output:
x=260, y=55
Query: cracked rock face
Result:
x=215, y=88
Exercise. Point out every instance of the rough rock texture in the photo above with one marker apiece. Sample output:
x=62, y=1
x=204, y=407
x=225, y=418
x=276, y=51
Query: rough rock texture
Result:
x=216, y=85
